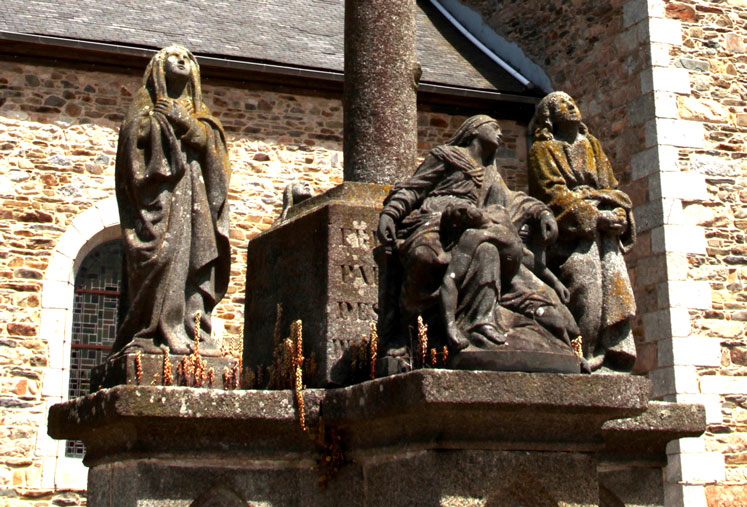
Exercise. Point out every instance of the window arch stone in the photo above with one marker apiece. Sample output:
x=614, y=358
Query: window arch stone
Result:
x=96, y=225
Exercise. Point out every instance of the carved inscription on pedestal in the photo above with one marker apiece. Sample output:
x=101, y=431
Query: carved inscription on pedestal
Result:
x=358, y=236
x=319, y=266
x=353, y=279
x=355, y=311
x=359, y=274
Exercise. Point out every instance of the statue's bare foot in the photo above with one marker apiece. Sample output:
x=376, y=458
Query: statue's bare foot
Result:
x=132, y=347
x=456, y=340
x=460, y=343
x=175, y=348
x=596, y=362
x=490, y=334
x=584, y=365
x=397, y=352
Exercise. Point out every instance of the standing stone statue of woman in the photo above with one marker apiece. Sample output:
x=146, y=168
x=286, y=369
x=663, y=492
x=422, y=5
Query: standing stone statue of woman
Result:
x=172, y=175
x=569, y=171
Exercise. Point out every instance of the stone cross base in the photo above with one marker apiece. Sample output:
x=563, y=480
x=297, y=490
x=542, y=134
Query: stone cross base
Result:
x=428, y=437
x=319, y=266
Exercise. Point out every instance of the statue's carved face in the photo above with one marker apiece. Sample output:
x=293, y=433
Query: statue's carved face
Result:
x=489, y=133
x=177, y=65
x=301, y=192
x=563, y=108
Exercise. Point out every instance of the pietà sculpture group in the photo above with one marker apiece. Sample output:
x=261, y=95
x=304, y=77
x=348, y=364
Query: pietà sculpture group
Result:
x=493, y=270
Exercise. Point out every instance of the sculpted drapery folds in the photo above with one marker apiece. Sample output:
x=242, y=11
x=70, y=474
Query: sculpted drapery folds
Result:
x=569, y=171
x=454, y=226
x=172, y=175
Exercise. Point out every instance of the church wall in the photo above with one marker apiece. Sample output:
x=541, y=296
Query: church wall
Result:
x=58, y=137
x=586, y=50
x=662, y=85
x=713, y=52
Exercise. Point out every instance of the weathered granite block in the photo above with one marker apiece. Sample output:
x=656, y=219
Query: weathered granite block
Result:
x=194, y=483
x=483, y=478
x=644, y=437
x=319, y=265
x=127, y=421
x=428, y=437
x=430, y=478
x=634, y=485
x=521, y=410
x=122, y=369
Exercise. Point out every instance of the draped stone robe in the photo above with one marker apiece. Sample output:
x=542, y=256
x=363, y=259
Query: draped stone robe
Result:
x=172, y=196
x=590, y=262
x=449, y=177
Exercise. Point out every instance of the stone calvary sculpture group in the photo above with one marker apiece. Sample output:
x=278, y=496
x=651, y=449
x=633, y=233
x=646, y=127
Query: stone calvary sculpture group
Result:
x=489, y=277
x=503, y=279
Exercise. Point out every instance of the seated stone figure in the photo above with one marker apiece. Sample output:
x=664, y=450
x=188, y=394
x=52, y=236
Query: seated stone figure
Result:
x=172, y=176
x=569, y=171
x=456, y=256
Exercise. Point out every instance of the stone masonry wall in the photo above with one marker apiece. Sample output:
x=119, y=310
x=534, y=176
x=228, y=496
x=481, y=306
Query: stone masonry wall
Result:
x=585, y=51
x=714, y=51
x=58, y=135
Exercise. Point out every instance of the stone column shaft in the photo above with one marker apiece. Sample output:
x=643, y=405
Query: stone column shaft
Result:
x=381, y=73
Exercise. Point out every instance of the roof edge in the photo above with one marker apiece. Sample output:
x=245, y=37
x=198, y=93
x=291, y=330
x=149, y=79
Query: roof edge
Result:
x=504, y=53
x=147, y=53
x=240, y=65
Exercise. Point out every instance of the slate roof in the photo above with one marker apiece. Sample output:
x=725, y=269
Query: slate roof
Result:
x=300, y=33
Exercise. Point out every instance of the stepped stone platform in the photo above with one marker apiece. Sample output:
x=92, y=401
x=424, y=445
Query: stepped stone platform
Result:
x=428, y=437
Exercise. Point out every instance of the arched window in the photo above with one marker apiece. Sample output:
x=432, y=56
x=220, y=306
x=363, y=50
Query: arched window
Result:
x=93, y=228
x=95, y=316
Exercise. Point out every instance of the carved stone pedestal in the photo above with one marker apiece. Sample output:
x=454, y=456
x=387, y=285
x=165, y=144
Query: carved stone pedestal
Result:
x=429, y=437
x=319, y=266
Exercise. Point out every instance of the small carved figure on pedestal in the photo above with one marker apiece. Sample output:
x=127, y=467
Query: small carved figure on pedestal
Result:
x=569, y=171
x=294, y=193
x=453, y=253
x=172, y=175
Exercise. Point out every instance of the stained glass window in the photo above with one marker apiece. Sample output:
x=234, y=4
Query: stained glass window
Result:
x=95, y=316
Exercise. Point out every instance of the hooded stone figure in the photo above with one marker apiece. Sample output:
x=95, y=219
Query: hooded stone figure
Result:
x=172, y=175
x=569, y=171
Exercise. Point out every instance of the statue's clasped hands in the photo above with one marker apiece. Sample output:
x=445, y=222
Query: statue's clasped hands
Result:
x=613, y=221
x=174, y=112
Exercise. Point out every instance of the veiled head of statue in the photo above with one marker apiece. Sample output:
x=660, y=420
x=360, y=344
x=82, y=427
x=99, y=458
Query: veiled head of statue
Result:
x=554, y=108
x=178, y=65
x=173, y=63
x=469, y=129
